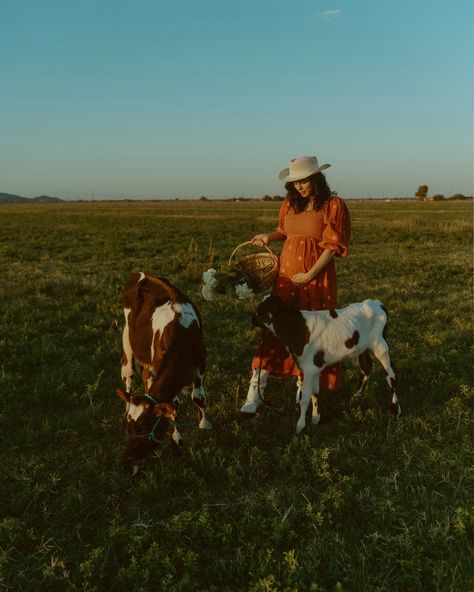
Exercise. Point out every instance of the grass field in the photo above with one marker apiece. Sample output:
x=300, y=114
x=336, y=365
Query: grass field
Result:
x=360, y=503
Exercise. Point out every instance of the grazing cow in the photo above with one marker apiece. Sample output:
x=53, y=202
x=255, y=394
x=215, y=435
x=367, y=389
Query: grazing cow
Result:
x=317, y=339
x=162, y=338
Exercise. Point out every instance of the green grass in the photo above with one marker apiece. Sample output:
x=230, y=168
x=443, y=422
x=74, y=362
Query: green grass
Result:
x=360, y=503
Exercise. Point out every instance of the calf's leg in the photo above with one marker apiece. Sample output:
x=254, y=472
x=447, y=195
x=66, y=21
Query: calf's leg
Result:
x=176, y=441
x=299, y=384
x=315, y=416
x=127, y=360
x=365, y=365
x=310, y=376
x=198, y=397
x=254, y=399
x=381, y=352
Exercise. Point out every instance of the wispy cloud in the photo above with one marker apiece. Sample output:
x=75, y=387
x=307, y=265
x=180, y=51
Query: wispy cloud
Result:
x=328, y=15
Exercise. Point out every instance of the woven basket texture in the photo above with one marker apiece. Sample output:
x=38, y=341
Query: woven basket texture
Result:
x=262, y=268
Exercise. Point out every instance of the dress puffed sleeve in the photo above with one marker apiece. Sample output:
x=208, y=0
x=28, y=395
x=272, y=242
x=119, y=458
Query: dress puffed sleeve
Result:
x=337, y=227
x=284, y=208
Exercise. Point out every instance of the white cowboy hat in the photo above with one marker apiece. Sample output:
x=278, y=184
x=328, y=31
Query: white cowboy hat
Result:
x=300, y=168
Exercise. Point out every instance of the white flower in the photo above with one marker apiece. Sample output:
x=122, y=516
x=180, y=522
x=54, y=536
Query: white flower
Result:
x=209, y=282
x=243, y=291
x=209, y=277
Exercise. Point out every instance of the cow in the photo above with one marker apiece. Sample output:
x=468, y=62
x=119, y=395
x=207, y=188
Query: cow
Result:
x=317, y=339
x=163, y=339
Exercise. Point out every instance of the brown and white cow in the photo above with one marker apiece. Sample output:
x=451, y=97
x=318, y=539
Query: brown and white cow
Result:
x=317, y=339
x=162, y=338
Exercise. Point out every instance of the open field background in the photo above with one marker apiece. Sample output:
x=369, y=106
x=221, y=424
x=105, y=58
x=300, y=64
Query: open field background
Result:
x=361, y=503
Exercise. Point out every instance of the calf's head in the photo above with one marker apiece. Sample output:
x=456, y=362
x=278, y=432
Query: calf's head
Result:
x=271, y=307
x=146, y=422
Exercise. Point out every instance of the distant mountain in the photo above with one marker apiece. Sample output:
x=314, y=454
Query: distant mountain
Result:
x=11, y=198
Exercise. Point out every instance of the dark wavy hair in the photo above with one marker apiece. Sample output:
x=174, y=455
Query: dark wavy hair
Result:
x=321, y=190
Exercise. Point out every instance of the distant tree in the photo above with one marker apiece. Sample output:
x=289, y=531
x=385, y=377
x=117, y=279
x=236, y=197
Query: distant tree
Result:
x=203, y=198
x=267, y=198
x=422, y=192
x=278, y=198
x=438, y=197
x=459, y=196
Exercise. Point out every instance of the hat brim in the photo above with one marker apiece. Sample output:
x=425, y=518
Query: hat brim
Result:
x=285, y=176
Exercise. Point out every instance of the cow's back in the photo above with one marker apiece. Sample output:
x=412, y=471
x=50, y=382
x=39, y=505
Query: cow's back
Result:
x=154, y=290
x=163, y=324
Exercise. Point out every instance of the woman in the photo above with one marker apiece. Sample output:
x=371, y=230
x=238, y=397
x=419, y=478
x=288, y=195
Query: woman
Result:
x=315, y=226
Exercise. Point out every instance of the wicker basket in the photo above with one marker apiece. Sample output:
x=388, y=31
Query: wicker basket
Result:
x=262, y=268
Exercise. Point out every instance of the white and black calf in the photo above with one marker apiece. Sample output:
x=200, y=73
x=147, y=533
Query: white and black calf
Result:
x=317, y=339
x=163, y=339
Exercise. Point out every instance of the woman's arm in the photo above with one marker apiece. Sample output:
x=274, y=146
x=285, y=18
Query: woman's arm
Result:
x=263, y=239
x=300, y=279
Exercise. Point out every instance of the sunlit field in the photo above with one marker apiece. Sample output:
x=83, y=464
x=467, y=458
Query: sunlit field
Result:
x=362, y=502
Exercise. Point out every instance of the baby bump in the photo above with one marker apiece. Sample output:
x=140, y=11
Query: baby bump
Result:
x=298, y=255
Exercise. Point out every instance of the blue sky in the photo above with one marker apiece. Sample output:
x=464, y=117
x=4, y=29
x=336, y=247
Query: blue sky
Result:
x=113, y=99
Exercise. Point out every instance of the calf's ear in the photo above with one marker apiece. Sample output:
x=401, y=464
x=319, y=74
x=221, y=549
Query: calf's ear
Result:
x=163, y=410
x=121, y=394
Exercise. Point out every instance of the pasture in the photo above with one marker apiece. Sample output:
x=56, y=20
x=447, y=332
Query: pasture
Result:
x=360, y=503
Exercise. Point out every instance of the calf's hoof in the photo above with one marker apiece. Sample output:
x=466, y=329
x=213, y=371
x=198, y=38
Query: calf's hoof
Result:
x=205, y=424
x=300, y=426
x=249, y=408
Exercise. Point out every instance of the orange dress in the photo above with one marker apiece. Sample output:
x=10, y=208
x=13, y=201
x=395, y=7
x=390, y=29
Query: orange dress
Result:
x=307, y=234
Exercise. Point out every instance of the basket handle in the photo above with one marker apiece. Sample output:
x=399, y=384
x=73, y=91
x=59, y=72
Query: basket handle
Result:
x=243, y=245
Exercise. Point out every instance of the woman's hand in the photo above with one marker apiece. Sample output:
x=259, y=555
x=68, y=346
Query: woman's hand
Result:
x=259, y=240
x=301, y=279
